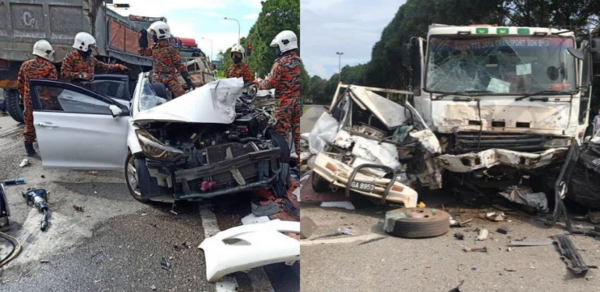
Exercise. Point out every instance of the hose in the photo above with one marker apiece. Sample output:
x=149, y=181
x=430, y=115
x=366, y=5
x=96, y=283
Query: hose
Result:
x=16, y=248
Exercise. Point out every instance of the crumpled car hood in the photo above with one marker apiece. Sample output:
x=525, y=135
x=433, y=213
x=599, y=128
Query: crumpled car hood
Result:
x=211, y=103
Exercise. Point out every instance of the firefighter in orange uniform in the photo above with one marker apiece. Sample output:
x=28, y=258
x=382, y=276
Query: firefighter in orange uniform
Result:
x=285, y=78
x=166, y=61
x=239, y=69
x=80, y=65
x=38, y=68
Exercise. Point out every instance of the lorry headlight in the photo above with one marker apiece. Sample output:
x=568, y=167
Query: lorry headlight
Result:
x=155, y=150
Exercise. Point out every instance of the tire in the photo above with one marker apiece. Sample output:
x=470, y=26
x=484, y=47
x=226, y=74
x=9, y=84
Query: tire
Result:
x=281, y=143
x=417, y=222
x=319, y=185
x=131, y=179
x=13, y=105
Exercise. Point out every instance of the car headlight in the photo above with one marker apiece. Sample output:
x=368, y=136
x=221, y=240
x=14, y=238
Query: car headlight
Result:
x=156, y=150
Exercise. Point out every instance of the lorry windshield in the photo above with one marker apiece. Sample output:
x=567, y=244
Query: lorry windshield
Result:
x=500, y=64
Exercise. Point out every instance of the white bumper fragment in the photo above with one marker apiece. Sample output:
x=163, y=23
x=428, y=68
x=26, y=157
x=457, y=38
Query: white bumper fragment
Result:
x=249, y=246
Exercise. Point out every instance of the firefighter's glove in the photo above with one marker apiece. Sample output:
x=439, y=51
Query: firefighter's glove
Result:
x=143, y=40
x=188, y=81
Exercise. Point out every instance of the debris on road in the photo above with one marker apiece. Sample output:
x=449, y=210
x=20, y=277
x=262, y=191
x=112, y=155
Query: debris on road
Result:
x=78, y=208
x=92, y=172
x=245, y=247
x=459, y=236
x=525, y=196
x=530, y=242
x=340, y=204
x=455, y=223
x=307, y=227
x=475, y=249
x=417, y=222
x=24, y=162
x=483, y=234
x=264, y=208
x=165, y=264
x=502, y=230
x=571, y=256
x=346, y=230
x=496, y=217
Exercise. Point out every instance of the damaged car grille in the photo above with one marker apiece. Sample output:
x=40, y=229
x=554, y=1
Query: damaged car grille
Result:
x=471, y=142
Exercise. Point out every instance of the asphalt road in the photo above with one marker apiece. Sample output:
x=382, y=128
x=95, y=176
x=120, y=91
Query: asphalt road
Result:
x=117, y=243
x=435, y=264
x=310, y=116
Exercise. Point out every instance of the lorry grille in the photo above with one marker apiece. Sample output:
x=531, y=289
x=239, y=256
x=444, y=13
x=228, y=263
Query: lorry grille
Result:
x=467, y=142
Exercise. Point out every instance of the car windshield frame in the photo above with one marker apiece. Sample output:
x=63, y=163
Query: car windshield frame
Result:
x=570, y=62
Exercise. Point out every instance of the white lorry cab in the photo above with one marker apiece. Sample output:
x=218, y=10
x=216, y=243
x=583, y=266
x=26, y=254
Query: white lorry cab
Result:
x=503, y=101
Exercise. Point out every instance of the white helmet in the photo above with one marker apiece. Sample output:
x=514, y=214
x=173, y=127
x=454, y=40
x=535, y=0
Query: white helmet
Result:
x=42, y=48
x=160, y=29
x=237, y=49
x=286, y=41
x=83, y=41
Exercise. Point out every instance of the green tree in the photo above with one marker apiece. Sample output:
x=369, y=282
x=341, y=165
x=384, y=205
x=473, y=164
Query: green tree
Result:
x=276, y=15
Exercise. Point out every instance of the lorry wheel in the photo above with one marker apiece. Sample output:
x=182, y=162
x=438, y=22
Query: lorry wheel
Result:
x=319, y=184
x=13, y=105
x=417, y=222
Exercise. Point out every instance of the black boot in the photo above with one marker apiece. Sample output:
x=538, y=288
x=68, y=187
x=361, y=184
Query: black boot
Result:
x=29, y=149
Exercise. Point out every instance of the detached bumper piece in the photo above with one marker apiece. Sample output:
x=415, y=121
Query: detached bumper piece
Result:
x=230, y=168
x=571, y=257
x=342, y=175
x=249, y=246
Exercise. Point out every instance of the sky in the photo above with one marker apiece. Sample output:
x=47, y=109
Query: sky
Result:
x=350, y=26
x=200, y=18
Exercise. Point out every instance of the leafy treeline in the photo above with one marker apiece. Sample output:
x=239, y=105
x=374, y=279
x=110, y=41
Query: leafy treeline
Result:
x=414, y=17
x=276, y=15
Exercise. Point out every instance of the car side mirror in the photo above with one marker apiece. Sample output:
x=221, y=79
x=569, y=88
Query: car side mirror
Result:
x=115, y=110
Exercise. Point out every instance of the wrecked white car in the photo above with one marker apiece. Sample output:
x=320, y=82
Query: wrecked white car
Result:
x=208, y=142
x=374, y=147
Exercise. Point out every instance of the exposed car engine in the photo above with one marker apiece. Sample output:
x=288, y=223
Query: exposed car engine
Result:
x=204, y=160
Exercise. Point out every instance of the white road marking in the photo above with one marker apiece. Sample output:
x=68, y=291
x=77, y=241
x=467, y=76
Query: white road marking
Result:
x=339, y=240
x=211, y=227
x=258, y=277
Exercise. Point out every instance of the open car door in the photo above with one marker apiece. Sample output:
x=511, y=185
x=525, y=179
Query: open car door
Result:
x=77, y=128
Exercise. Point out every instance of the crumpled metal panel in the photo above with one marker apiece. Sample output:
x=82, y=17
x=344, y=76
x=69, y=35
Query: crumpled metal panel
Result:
x=486, y=159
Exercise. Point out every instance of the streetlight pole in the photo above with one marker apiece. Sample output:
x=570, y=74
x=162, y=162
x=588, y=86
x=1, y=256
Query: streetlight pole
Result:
x=211, y=48
x=340, y=65
x=239, y=27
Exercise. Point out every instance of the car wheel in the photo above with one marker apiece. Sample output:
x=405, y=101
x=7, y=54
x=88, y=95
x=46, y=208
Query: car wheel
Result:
x=131, y=177
x=417, y=222
x=319, y=184
x=13, y=105
x=281, y=143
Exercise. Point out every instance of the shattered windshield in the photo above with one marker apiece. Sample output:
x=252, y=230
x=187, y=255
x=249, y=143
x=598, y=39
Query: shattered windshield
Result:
x=149, y=99
x=500, y=65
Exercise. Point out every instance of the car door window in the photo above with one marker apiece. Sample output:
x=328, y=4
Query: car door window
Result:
x=111, y=88
x=60, y=99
